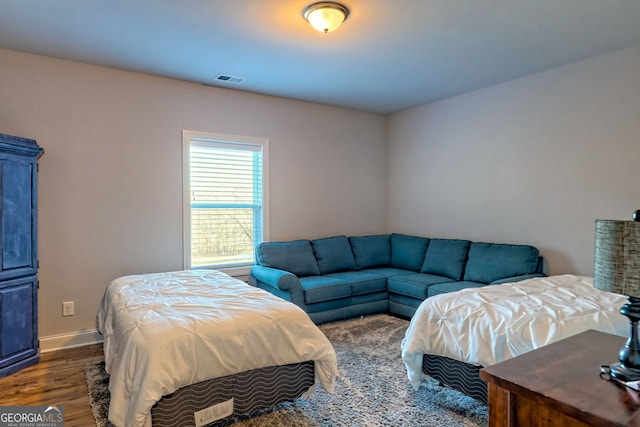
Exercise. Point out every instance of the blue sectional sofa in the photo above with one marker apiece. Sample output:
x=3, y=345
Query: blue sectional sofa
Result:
x=340, y=277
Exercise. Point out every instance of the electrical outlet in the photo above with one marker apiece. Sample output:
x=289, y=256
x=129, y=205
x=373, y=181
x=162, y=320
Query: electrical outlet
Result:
x=67, y=308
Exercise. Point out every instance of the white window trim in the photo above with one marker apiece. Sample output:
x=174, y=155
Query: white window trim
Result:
x=187, y=136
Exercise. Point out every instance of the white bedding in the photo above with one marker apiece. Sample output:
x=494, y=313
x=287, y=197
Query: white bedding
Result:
x=484, y=326
x=168, y=330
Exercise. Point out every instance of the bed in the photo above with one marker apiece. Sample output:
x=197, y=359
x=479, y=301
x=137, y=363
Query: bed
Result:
x=452, y=336
x=172, y=340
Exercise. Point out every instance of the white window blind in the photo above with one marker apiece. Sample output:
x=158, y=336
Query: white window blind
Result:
x=226, y=202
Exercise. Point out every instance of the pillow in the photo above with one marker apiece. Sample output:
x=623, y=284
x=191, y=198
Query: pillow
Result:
x=371, y=251
x=445, y=257
x=489, y=262
x=407, y=252
x=295, y=256
x=333, y=254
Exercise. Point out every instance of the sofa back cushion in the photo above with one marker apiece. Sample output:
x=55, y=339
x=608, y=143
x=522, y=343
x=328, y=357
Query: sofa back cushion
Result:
x=408, y=252
x=493, y=261
x=295, y=256
x=446, y=257
x=333, y=254
x=371, y=251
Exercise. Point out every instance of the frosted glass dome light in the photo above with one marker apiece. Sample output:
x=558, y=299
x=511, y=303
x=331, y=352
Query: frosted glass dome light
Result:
x=325, y=16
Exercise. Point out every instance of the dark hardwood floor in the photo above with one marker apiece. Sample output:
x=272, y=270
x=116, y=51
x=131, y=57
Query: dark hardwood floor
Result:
x=58, y=379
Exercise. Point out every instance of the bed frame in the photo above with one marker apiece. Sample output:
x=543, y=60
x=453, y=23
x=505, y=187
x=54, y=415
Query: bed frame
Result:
x=251, y=391
x=458, y=375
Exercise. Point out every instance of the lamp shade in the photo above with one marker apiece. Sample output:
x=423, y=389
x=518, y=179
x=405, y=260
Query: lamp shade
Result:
x=617, y=257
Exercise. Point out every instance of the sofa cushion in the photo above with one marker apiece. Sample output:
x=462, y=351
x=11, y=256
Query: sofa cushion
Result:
x=348, y=306
x=446, y=257
x=324, y=288
x=333, y=254
x=371, y=251
x=362, y=282
x=518, y=278
x=414, y=285
x=443, y=288
x=489, y=262
x=407, y=252
x=401, y=304
x=387, y=271
x=294, y=256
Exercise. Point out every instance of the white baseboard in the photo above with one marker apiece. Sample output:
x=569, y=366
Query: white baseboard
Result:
x=69, y=340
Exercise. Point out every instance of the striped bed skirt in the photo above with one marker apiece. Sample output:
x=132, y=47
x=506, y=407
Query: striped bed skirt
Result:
x=210, y=401
x=457, y=375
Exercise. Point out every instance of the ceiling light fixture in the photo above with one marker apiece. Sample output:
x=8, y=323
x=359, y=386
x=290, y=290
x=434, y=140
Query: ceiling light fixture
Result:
x=325, y=16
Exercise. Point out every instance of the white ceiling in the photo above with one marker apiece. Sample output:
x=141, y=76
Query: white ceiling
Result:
x=388, y=56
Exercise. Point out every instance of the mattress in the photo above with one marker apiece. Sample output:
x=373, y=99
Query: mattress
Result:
x=484, y=326
x=166, y=331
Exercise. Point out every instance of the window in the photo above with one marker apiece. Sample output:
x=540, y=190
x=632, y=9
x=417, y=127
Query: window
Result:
x=224, y=200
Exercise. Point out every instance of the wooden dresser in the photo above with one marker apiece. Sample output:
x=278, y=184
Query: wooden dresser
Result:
x=559, y=385
x=19, y=345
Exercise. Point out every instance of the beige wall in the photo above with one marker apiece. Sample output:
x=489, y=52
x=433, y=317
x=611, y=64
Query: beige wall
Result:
x=110, y=180
x=535, y=160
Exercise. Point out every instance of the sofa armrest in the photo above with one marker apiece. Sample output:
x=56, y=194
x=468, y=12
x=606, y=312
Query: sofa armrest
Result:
x=517, y=278
x=281, y=283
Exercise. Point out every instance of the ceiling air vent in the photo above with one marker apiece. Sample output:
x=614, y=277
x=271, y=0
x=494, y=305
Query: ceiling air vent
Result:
x=228, y=79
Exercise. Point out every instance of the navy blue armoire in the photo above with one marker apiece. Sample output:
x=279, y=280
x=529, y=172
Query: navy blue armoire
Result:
x=19, y=346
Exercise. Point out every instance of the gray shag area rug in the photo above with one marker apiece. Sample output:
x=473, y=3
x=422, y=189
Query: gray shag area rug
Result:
x=372, y=390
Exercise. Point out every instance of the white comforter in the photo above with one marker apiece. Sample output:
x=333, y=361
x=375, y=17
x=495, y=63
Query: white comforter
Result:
x=484, y=326
x=168, y=330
